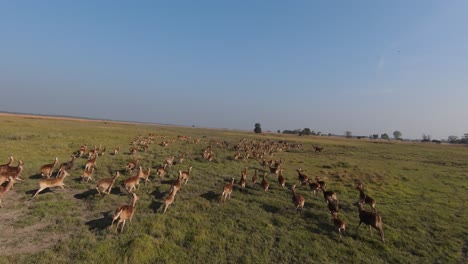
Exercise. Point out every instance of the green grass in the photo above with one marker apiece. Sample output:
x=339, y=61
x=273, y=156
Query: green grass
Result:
x=421, y=192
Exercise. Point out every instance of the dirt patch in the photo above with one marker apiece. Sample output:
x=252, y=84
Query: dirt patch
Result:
x=19, y=239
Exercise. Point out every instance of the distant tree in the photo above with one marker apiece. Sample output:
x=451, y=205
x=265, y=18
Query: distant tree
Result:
x=426, y=138
x=464, y=140
x=348, y=134
x=397, y=135
x=384, y=136
x=319, y=133
x=375, y=136
x=279, y=131
x=258, y=128
x=453, y=139
x=305, y=132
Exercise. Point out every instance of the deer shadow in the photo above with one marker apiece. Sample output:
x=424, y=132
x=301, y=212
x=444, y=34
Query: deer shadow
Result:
x=211, y=196
x=85, y=195
x=101, y=223
x=32, y=192
x=36, y=176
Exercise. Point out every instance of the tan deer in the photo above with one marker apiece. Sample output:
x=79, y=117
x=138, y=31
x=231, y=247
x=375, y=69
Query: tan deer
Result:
x=87, y=175
x=227, y=190
x=4, y=190
x=47, y=169
x=169, y=199
x=132, y=183
x=161, y=171
x=265, y=183
x=116, y=150
x=339, y=224
x=104, y=186
x=185, y=175
x=144, y=175
x=124, y=212
x=298, y=200
x=131, y=165
x=4, y=167
x=66, y=165
x=50, y=183
x=281, y=179
x=91, y=162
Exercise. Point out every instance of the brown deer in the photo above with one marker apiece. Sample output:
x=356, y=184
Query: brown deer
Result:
x=125, y=212
x=116, y=150
x=297, y=199
x=47, y=169
x=4, y=167
x=185, y=175
x=4, y=190
x=91, y=162
x=105, y=185
x=243, y=179
x=66, y=165
x=131, y=165
x=176, y=184
x=144, y=175
x=371, y=219
x=131, y=183
x=169, y=199
x=323, y=184
x=281, y=179
x=255, y=177
x=318, y=148
x=303, y=179
x=227, y=190
x=265, y=183
x=50, y=183
x=365, y=198
x=87, y=175
x=329, y=196
x=314, y=187
x=339, y=224
x=161, y=171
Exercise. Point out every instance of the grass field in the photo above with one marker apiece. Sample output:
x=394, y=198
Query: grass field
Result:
x=421, y=192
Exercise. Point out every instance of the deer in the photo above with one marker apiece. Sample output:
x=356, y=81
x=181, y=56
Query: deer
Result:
x=50, y=183
x=181, y=158
x=169, y=199
x=314, y=187
x=47, y=169
x=103, y=151
x=131, y=165
x=318, y=148
x=104, y=186
x=303, y=179
x=275, y=170
x=255, y=177
x=131, y=183
x=82, y=151
x=339, y=224
x=323, y=184
x=66, y=165
x=116, y=150
x=161, y=171
x=4, y=167
x=365, y=198
x=329, y=196
x=227, y=190
x=298, y=200
x=91, y=162
x=14, y=172
x=144, y=175
x=243, y=179
x=281, y=179
x=125, y=212
x=170, y=161
x=4, y=190
x=87, y=174
x=371, y=219
x=185, y=175
x=176, y=184
x=265, y=183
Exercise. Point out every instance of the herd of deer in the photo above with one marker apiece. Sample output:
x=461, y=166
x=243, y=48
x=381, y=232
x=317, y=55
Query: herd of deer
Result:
x=11, y=174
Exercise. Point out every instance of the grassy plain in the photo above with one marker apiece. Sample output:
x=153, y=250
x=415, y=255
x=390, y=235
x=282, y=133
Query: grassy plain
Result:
x=421, y=192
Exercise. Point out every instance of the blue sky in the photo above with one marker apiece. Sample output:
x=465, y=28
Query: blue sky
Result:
x=363, y=66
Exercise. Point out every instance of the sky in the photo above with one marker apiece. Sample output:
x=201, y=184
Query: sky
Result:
x=369, y=67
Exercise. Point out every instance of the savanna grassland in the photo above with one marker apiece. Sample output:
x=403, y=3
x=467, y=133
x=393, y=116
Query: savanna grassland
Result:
x=421, y=192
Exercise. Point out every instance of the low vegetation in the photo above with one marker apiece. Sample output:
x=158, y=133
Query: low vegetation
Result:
x=419, y=195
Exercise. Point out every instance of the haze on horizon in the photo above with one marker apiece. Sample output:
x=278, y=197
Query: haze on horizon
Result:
x=369, y=67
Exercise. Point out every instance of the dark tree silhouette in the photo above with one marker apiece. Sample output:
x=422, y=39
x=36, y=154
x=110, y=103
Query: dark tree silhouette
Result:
x=258, y=128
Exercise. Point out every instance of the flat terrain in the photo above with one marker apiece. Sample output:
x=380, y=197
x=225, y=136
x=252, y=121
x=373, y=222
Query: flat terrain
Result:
x=421, y=192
